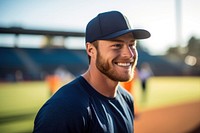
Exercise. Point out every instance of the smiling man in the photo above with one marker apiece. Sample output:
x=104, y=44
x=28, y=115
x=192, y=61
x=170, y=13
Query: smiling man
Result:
x=94, y=102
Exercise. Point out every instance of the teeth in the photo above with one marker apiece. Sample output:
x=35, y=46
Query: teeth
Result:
x=123, y=64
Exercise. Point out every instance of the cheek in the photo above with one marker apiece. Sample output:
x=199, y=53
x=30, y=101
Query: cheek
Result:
x=135, y=53
x=135, y=57
x=107, y=55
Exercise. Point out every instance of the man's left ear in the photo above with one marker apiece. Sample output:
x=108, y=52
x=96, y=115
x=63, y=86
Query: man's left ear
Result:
x=90, y=48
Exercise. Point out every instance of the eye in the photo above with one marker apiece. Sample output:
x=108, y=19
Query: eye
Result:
x=117, y=46
x=132, y=45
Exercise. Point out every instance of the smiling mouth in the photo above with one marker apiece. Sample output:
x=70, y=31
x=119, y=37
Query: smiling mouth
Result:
x=124, y=64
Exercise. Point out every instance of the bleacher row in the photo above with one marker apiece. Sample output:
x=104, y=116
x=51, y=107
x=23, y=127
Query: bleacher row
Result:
x=33, y=62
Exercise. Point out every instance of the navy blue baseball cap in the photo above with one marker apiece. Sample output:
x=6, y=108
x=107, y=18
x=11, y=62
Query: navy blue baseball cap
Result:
x=112, y=24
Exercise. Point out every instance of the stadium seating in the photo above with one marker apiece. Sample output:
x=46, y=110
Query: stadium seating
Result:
x=34, y=62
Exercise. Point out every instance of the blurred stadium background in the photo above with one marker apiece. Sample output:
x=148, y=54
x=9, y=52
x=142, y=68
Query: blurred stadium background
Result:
x=30, y=75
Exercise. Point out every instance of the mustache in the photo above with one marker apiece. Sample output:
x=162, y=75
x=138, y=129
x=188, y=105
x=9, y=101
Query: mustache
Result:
x=131, y=60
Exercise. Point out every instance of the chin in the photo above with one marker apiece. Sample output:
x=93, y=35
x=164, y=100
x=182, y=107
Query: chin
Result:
x=125, y=79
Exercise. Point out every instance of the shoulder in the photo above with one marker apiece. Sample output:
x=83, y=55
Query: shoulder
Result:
x=67, y=108
x=125, y=93
x=70, y=96
x=128, y=98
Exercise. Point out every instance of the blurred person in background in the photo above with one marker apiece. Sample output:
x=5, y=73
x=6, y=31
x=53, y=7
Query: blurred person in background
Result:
x=94, y=101
x=145, y=73
x=61, y=76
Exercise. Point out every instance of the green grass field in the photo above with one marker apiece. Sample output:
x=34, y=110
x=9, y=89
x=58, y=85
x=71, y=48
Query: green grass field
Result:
x=167, y=91
x=19, y=102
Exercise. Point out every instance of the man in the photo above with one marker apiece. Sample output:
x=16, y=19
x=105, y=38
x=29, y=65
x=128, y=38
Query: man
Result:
x=94, y=102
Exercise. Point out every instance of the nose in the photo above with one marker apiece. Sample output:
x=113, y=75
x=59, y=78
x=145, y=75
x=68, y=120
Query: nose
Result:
x=129, y=52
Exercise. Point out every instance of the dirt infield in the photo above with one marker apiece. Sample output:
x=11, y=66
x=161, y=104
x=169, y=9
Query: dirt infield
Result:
x=184, y=118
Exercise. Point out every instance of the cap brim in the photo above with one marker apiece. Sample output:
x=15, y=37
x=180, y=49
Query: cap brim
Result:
x=137, y=34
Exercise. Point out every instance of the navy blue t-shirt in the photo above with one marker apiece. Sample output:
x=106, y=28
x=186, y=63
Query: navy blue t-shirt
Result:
x=78, y=108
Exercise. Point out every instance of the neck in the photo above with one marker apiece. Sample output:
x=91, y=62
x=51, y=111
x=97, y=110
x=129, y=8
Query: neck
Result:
x=101, y=83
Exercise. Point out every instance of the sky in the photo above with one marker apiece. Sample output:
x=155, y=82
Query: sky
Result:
x=156, y=16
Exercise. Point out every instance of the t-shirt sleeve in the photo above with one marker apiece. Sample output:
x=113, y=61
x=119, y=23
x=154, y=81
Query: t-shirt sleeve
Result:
x=54, y=117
